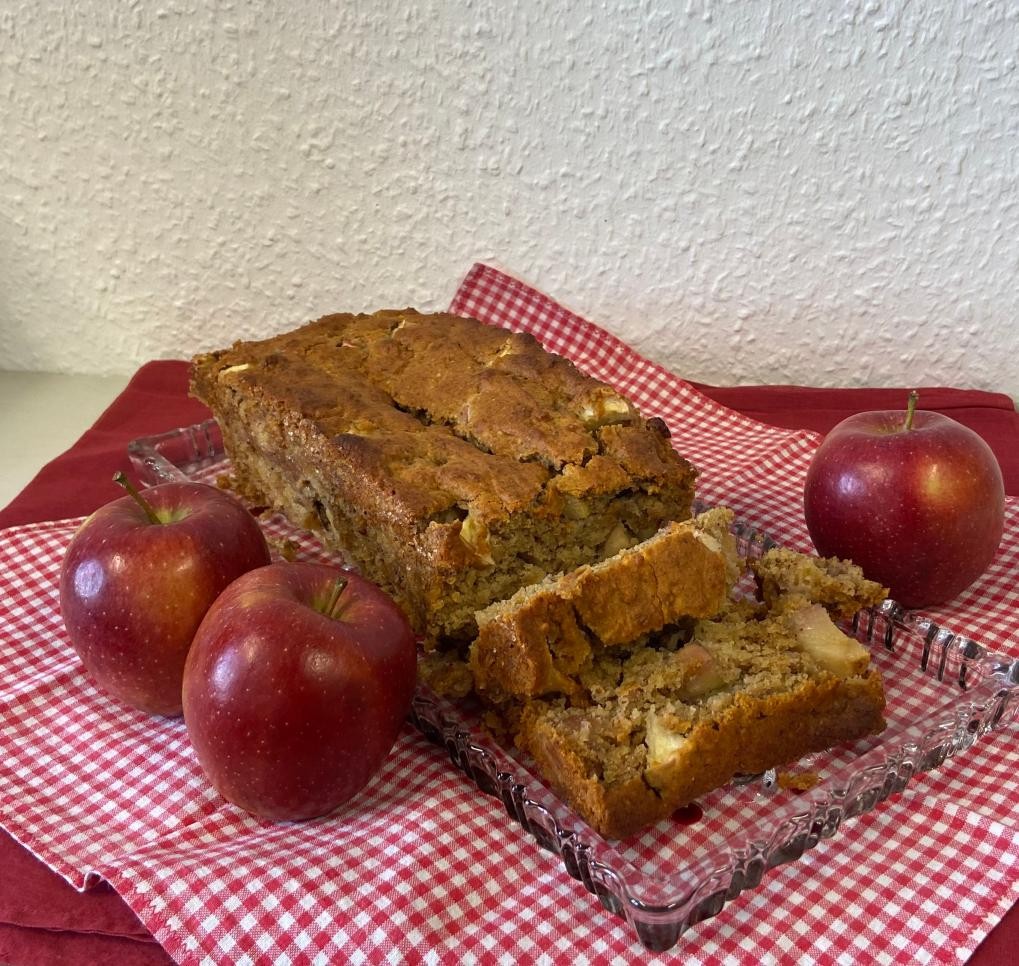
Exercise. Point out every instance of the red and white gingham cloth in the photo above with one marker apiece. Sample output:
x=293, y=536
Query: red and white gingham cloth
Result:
x=422, y=867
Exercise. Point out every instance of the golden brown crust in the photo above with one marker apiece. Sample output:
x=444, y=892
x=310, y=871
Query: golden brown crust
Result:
x=453, y=462
x=684, y=571
x=535, y=649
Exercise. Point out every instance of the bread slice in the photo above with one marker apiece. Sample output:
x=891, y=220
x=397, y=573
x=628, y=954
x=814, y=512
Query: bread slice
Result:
x=540, y=640
x=666, y=726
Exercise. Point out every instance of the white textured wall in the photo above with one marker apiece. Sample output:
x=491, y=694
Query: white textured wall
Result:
x=818, y=193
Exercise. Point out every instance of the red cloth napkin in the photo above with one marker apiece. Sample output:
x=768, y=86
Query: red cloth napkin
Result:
x=39, y=902
x=44, y=921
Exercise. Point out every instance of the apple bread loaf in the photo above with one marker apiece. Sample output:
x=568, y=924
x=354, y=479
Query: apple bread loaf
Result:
x=631, y=730
x=452, y=462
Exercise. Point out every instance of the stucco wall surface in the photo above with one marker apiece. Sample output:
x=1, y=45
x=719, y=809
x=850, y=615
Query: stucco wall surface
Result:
x=818, y=193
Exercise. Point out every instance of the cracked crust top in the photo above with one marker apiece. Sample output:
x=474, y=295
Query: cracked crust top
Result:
x=443, y=415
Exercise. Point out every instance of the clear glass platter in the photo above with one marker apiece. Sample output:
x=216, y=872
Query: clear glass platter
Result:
x=946, y=693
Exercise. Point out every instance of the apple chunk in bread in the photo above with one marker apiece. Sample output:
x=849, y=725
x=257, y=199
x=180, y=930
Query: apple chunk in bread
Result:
x=826, y=644
x=662, y=741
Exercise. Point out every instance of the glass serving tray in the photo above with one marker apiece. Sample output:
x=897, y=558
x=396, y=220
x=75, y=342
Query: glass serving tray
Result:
x=945, y=693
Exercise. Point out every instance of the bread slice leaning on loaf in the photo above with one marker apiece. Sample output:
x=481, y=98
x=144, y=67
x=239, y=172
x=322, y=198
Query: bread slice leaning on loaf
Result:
x=538, y=642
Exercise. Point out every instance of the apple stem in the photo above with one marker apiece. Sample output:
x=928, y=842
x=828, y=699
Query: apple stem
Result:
x=120, y=477
x=914, y=398
x=332, y=605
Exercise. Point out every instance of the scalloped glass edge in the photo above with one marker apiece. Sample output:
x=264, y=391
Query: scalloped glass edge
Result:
x=660, y=908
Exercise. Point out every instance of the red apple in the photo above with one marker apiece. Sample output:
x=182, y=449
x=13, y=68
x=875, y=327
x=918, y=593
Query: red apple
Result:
x=915, y=498
x=138, y=577
x=296, y=688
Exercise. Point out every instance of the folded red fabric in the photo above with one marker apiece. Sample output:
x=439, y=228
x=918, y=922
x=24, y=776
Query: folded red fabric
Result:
x=44, y=921
x=37, y=947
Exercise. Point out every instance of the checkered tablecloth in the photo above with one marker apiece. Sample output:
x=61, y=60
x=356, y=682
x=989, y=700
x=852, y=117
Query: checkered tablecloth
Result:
x=421, y=867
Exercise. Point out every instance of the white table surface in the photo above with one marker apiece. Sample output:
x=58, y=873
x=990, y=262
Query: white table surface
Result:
x=41, y=415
